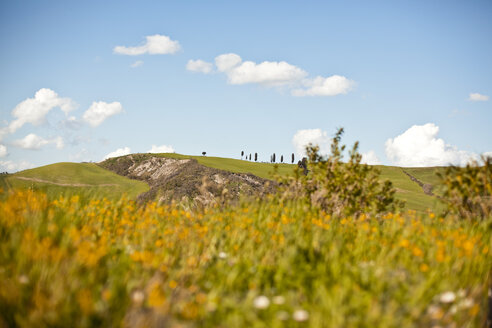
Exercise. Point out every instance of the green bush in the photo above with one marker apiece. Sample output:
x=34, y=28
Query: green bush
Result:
x=341, y=188
x=468, y=191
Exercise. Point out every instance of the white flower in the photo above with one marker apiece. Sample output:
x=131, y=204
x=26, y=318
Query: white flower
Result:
x=447, y=297
x=138, y=297
x=24, y=279
x=300, y=315
x=222, y=255
x=279, y=300
x=261, y=302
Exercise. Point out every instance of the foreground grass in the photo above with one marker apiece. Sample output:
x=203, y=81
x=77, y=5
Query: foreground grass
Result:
x=72, y=262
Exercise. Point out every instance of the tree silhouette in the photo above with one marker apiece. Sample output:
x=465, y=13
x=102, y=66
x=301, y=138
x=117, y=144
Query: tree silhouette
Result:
x=292, y=158
x=282, y=159
x=242, y=154
x=273, y=158
x=249, y=156
x=204, y=153
x=256, y=157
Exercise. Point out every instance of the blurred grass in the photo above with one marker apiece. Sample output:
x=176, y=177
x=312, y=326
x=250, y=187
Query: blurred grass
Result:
x=73, y=262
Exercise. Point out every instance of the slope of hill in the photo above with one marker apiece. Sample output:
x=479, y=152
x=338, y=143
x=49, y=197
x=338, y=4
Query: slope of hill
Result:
x=184, y=179
x=97, y=180
x=407, y=190
x=87, y=179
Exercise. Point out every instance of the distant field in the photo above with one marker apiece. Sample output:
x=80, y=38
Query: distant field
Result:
x=87, y=179
x=407, y=190
x=93, y=180
x=262, y=170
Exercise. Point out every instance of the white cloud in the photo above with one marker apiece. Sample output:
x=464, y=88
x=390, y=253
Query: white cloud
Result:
x=478, y=97
x=325, y=86
x=3, y=151
x=118, y=152
x=161, y=149
x=11, y=166
x=154, y=45
x=265, y=73
x=226, y=62
x=419, y=146
x=100, y=110
x=34, y=142
x=316, y=137
x=136, y=64
x=199, y=66
x=34, y=110
x=370, y=158
x=487, y=154
x=274, y=74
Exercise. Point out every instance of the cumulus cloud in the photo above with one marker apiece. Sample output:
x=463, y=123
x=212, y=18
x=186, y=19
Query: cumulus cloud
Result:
x=34, y=110
x=3, y=151
x=325, y=86
x=154, y=45
x=273, y=74
x=316, y=137
x=265, y=73
x=370, y=158
x=161, y=149
x=100, y=111
x=420, y=146
x=118, y=152
x=34, y=142
x=11, y=166
x=136, y=64
x=199, y=66
x=478, y=97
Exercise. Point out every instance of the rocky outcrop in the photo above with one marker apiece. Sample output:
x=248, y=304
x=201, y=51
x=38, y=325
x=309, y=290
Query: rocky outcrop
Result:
x=185, y=179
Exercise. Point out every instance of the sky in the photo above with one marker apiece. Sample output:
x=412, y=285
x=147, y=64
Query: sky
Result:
x=86, y=80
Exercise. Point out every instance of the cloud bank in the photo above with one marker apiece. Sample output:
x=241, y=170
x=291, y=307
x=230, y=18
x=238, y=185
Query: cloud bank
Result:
x=100, y=111
x=34, y=110
x=136, y=64
x=370, y=158
x=3, y=151
x=154, y=45
x=273, y=74
x=199, y=66
x=478, y=97
x=118, y=152
x=316, y=137
x=11, y=166
x=161, y=149
x=420, y=146
x=34, y=142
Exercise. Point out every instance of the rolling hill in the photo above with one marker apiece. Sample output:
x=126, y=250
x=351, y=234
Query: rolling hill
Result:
x=74, y=178
x=93, y=180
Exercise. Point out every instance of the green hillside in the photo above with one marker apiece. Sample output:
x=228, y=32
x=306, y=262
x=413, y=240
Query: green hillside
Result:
x=92, y=180
x=262, y=170
x=86, y=179
x=407, y=190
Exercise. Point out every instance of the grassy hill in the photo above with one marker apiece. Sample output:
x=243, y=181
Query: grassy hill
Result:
x=92, y=180
x=87, y=179
x=407, y=190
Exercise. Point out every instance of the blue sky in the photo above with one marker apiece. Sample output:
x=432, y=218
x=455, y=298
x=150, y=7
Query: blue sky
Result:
x=412, y=79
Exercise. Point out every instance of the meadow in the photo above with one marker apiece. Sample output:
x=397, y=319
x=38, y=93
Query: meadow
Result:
x=264, y=263
x=289, y=259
